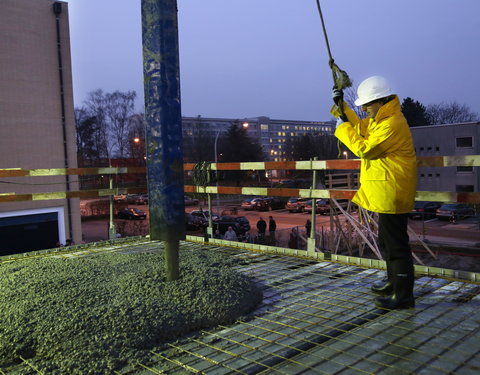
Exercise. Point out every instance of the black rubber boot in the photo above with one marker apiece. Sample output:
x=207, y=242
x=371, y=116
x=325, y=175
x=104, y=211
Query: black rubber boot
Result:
x=384, y=287
x=403, y=280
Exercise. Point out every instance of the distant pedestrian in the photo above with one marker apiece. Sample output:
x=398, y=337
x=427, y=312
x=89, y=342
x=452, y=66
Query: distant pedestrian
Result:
x=217, y=235
x=261, y=226
x=272, y=227
x=293, y=240
x=308, y=227
x=230, y=235
x=247, y=238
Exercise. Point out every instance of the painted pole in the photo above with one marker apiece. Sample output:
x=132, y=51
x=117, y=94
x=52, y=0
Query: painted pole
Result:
x=311, y=241
x=163, y=128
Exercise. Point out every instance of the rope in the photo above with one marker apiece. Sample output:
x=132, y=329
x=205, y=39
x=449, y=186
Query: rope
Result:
x=341, y=80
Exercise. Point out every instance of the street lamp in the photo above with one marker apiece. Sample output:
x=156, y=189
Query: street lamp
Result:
x=216, y=174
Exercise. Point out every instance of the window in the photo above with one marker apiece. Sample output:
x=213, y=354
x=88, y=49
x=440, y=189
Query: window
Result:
x=464, y=188
x=421, y=148
x=464, y=169
x=263, y=127
x=464, y=142
x=437, y=148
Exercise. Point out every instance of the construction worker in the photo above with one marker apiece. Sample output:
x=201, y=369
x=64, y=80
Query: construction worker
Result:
x=388, y=178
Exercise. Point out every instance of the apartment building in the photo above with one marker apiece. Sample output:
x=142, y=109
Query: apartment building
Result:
x=271, y=133
x=448, y=140
x=37, y=128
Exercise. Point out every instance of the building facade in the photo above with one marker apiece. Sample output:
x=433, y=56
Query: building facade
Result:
x=272, y=134
x=448, y=140
x=37, y=127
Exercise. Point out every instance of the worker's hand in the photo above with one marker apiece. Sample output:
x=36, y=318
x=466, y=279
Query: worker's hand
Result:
x=339, y=122
x=337, y=95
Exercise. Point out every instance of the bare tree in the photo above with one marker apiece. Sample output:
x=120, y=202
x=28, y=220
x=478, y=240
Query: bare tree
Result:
x=119, y=107
x=136, y=136
x=89, y=146
x=112, y=113
x=450, y=113
x=94, y=105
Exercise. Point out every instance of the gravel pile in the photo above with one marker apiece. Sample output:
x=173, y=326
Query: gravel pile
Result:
x=90, y=315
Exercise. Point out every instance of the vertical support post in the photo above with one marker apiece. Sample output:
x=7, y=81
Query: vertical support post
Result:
x=163, y=127
x=112, y=233
x=311, y=241
x=216, y=171
x=210, y=213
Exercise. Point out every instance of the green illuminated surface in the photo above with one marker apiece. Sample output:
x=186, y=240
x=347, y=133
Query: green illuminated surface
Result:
x=67, y=315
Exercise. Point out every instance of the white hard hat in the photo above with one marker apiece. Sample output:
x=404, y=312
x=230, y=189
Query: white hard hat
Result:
x=372, y=88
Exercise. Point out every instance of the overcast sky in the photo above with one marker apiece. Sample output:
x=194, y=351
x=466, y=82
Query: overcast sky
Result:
x=247, y=58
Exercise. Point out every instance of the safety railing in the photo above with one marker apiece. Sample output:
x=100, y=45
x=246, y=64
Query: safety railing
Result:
x=313, y=165
x=354, y=227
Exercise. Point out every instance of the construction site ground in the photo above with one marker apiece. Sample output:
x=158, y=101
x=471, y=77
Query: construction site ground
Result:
x=318, y=317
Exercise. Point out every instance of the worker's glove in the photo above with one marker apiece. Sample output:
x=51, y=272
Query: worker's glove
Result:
x=340, y=121
x=337, y=95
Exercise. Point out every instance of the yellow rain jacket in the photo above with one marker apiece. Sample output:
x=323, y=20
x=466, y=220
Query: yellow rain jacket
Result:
x=388, y=172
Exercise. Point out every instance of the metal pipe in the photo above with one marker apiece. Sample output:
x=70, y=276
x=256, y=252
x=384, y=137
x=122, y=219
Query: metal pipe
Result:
x=163, y=119
x=216, y=172
x=311, y=241
x=57, y=10
x=171, y=260
x=112, y=233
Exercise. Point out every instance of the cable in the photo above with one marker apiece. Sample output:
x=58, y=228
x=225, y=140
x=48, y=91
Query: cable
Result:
x=341, y=80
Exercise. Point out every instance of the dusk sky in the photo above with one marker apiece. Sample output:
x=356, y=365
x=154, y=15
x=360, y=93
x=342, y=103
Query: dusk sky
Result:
x=248, y=58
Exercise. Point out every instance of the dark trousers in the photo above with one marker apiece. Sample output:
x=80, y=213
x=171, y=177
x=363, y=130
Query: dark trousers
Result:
x=393, y=237
x=394, y=241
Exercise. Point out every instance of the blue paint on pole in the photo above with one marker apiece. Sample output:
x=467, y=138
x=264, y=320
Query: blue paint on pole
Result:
x=163, y=120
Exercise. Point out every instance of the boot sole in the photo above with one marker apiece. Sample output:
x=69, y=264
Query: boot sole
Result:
x=399, y=306
x=382, y=292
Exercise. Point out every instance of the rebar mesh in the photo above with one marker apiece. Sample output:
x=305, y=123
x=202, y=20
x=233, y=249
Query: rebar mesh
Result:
x=319, y=318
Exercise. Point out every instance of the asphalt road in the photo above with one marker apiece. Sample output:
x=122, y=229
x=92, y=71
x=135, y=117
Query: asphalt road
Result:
x=465, y=231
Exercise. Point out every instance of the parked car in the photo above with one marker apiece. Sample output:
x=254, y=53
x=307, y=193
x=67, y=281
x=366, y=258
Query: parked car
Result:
x=193, y=222
x=144, y=198
x=424, y=210
x=138, y=199
x=120, y=197
x=296, y=204
x=268, y=204
x=190, y=201
x=131, y=198
x=249, y=203
x=454, y=211
x=204, y=214
x=239, y=224
x=323, y=206
x=132, y=214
